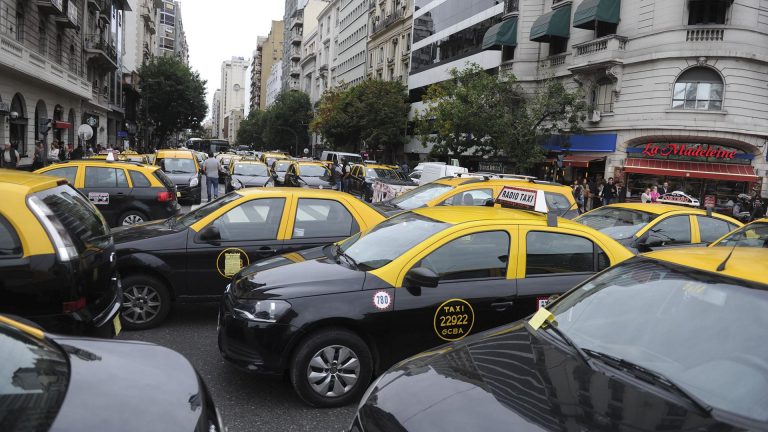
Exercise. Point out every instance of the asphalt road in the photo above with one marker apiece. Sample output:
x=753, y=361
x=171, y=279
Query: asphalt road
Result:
x=247, y=402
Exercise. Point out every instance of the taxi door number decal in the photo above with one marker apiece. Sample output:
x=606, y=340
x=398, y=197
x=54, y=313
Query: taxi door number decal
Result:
x=98, y=198
x=230, y=261
x=454, y=320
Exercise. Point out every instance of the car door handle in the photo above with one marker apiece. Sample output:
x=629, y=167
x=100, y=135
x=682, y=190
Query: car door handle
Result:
x=501, y=306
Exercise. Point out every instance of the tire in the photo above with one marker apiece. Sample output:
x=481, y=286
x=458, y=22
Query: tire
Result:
x=326, y=348
x=146, y=302
x=131, y=217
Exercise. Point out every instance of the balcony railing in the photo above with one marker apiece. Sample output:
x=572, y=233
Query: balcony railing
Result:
x=390, y=19
x=705, y=34
x=607, y=43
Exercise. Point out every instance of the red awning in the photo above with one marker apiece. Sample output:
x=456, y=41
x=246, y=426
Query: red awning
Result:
x=715, y=171
x=61, y=125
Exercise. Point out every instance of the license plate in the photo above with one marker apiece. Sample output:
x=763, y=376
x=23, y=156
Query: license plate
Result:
x=117, y=324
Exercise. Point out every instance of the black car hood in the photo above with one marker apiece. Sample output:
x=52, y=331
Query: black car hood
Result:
x=509, y=380
x=284, y=277
x=181, y=179
x=128, y=386
x=252, y=181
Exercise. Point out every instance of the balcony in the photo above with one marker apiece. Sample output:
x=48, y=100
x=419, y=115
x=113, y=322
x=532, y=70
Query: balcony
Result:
x=382, y=24
x=602, y=50
x=50, y=7
x=70, y=20
x=100, y=52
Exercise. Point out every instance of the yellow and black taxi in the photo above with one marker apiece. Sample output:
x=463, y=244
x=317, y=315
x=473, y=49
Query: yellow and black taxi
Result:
x=309, y=174
x=65, y=383
x=672, y=340
x=642, y=227
x=182, y=168
x=414, y=281
x=245, y=173
x=192, y=257
x=754, y=234
x=478, y=191
x=126, y=193
x=362, y=177
x=57, y=260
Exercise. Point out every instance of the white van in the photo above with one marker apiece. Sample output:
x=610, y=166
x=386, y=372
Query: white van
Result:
x=338, y=156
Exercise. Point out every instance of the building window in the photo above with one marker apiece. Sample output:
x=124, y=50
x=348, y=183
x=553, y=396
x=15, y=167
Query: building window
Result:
x=707, y=12
x=699, y=88
x=602, y=96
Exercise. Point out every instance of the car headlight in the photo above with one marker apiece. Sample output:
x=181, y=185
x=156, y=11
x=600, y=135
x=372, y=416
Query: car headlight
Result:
x=262, y=310
x=193, y=181
x=236, y=184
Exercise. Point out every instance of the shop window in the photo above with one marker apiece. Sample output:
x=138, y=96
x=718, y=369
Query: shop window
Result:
x=602, y=96
x=698, y=88
x=708, y=12
x=558, y=45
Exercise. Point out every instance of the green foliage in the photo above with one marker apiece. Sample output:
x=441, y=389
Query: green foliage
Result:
x=286, y=122
x=373, y=113
x=173, y=96
x=478, y=113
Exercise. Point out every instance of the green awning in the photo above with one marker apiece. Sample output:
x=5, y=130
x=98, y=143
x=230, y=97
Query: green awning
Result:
x=552, y=24
x=502, y=34
x=590, y=12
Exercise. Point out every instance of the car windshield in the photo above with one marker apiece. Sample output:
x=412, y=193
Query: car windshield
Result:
x=420, y=196
x=752, y=235
x=313, y=171
x=681, y=323
x=618, y=223
x=34, y=375
x=282, y=166
x=177, y=165
x=388, y=240
x=190, y=218
x=253, y=170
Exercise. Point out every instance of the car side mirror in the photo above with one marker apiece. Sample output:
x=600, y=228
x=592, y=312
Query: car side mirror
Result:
x=210, y=234
x=421, y=277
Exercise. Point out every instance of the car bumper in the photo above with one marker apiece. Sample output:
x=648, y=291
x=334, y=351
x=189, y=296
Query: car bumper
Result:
x=254, y=346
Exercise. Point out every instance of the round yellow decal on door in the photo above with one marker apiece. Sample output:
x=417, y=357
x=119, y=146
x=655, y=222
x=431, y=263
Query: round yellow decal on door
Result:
x=454, y=320
x=230, y=261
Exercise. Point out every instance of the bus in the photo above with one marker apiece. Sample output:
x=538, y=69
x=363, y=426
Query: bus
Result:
x=208, y=145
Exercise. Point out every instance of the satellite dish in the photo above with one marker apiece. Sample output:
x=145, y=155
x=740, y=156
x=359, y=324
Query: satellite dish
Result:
x=85, y=132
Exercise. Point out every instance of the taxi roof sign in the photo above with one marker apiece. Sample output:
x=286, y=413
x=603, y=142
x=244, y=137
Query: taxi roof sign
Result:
x=517, y=197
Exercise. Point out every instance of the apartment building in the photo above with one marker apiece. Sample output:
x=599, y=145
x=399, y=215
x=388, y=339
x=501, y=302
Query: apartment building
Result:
x=389, y=40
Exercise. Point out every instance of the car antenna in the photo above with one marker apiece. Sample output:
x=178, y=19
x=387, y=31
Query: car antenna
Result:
x=722, y=265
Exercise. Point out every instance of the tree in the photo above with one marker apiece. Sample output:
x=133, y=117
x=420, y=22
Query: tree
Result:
x=251, y=129
x=482, y=114
x=373, y=112
x=287, y=121
x=173, y=96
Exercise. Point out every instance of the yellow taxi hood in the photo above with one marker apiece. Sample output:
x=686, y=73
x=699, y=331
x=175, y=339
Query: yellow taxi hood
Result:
x=745, y=263
x=25, y=182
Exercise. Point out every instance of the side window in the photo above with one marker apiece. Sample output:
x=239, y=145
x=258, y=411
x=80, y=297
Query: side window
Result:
x=100, y=177
x=474, y=256
x=672, y=230
x=68, y=173
x=317, y=218
x=551, y=253
x=139, y=180
x=258, y=219
x=10, y=245
x=712, y=229
x=122, y=180
x=476, y=197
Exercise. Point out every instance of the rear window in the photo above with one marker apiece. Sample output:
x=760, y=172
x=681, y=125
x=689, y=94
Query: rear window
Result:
x=164, y=179
x=33, y=381
x=80, y=218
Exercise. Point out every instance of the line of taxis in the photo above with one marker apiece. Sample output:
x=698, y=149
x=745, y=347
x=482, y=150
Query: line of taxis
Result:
x=443, y=278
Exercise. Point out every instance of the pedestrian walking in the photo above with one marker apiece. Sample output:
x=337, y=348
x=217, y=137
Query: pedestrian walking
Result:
x=646, y=196
x=9, y=157
x=211, y=168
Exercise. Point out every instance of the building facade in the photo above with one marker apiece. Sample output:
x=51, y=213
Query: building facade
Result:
x=233, y=73
x=351, y=53
x=676, y=89
x=274, y=83
x=389, y=40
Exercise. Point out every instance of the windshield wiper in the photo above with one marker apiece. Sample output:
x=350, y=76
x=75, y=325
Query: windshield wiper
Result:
x=651, y=377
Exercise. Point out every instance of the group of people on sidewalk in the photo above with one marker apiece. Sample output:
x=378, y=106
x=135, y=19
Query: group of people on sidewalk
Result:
x=590, y=195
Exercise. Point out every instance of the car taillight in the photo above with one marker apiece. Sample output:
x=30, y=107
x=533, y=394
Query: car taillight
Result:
x=166, y=196
x=74, y=306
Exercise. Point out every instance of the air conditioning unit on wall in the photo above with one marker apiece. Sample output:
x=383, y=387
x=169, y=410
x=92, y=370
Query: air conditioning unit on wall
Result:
x=594, y=116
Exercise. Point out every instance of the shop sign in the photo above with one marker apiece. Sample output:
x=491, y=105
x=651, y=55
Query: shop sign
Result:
x=695, y=150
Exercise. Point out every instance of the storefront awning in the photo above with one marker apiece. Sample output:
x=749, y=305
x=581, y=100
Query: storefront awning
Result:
x=502, y=34
x=589, y=12
x=706, y=170
x=61, y=125
x=582, y=143
x=552, y=24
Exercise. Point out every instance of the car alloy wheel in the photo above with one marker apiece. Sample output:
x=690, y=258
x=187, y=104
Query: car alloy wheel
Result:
x=141, y=304
x=333, y=371
x=132, y=219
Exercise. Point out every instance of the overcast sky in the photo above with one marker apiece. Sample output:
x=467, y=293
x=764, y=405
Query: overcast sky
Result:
x=217, y=31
